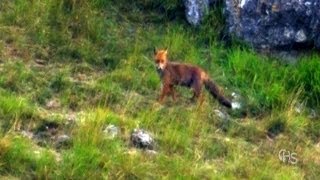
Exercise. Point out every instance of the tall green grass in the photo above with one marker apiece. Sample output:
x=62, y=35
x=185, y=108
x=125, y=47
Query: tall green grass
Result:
x=14, y=110
x=21, y=157
x=269, y=84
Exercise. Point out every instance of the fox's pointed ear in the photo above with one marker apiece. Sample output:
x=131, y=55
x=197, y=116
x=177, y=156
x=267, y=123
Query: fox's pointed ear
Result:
x=155, y=50
x=166, y=50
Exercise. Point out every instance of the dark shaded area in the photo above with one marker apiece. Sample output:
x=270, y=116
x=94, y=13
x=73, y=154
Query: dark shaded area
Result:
x=52, y=134
x=275, y=128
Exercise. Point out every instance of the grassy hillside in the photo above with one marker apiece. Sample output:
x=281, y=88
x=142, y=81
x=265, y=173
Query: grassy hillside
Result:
x=79, y=66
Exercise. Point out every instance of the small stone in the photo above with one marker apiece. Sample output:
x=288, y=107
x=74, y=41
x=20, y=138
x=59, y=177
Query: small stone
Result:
x=111, y=131
x=142, y=139
x=63, y=138
x=236, y=105
x=53, y=104
x=27, y=134
x=40, y=62
x=220, y=114
x=63, y=141
x=236, y=98
x=70, y=119
x=235, y=95
x=151, y=152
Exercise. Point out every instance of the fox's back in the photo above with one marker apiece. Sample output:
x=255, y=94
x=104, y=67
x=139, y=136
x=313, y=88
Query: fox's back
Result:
x=182, y=73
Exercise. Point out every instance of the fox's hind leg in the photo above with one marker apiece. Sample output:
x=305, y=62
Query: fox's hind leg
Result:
x=196, y=87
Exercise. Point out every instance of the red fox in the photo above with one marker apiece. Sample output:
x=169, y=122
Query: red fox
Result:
x=194, y=77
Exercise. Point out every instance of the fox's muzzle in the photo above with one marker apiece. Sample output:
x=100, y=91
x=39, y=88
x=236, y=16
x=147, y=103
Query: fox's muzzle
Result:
x=160, y=66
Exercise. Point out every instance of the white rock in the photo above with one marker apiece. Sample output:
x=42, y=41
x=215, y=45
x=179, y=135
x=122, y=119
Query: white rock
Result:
x=151, y=152
x=236, y=105
x=111, y=131
x=141, y=139
x=220, y=114
x=27, y=134
x=53, y=104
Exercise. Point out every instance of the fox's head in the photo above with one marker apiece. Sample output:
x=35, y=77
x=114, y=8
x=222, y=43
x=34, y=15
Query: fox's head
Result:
x=160, y=58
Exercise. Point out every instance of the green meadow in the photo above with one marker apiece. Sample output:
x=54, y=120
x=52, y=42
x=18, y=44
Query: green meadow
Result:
x=83, y=65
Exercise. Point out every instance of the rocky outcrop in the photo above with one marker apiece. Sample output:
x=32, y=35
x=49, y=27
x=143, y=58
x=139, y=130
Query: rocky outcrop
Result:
x=275, y=24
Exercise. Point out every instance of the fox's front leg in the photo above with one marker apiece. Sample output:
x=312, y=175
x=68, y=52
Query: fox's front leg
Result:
x=165, y=90
x=173, y=94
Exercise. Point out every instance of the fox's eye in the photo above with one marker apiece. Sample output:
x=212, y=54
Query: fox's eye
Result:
x=161, y=60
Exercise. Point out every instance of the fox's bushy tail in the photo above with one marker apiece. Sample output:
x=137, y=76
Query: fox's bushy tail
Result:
x=215, y=92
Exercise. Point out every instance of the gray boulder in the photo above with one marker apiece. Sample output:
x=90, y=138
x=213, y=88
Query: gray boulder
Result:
x=195, y=10
x=275, y=24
